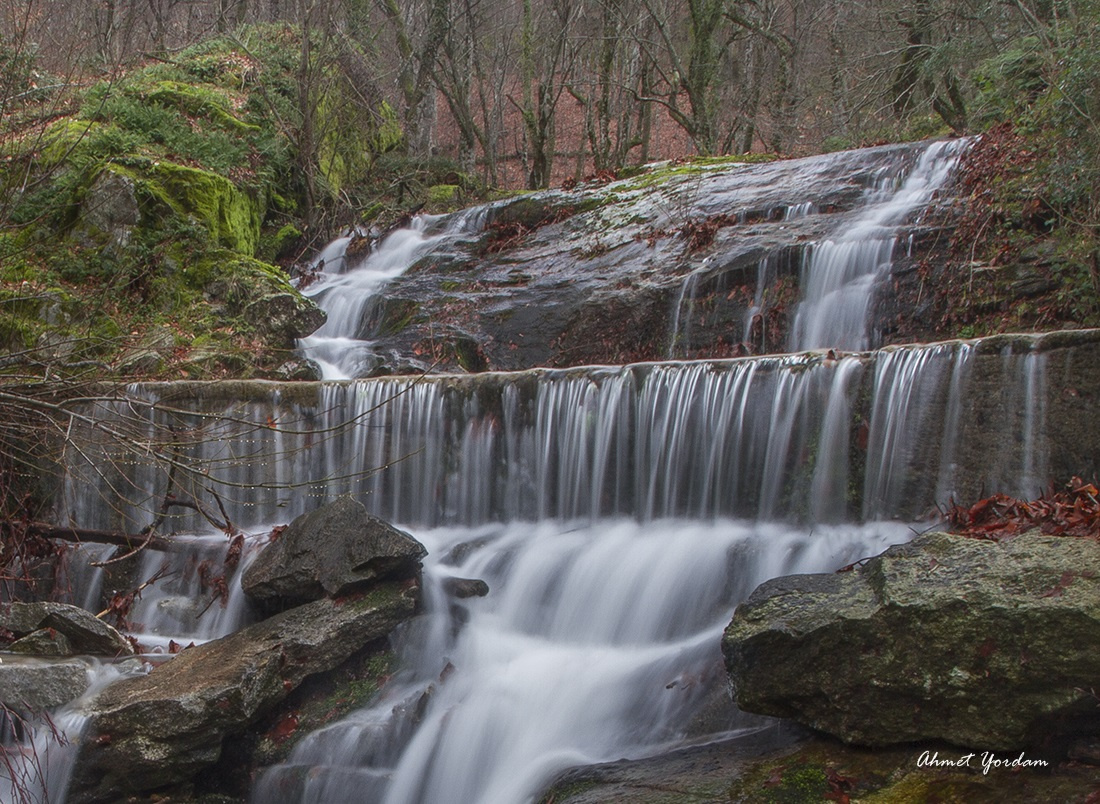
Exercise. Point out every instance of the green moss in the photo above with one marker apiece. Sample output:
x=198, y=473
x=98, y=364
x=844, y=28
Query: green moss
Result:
x=564, y=792
x=199, y=101
x=231, y=216
x=278, y=244
x=64, y=137
x=16, y=331
x=662, y=173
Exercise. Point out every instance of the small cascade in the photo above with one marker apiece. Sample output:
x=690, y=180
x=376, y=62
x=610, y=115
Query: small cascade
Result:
x=38, y=768
x=581, y=653
x=840, y=275
x=349, y=287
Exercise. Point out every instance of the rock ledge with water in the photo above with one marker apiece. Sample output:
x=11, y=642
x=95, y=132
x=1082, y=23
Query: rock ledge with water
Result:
x=159, y=730
x=985, y=645
x=330, y=551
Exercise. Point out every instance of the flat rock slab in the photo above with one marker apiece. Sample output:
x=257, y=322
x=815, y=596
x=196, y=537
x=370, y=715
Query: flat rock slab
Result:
x=160, y=730
x=331, y=551
x=786, y=764
x=988, y=645
x=85, y=633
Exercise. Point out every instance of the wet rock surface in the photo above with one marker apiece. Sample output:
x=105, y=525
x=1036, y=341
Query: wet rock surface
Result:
x=988, y=645
x=159, y=730
x=691, y=260
x=330, y=551
x=83, y=633
x=33, y=686
x=785, y=764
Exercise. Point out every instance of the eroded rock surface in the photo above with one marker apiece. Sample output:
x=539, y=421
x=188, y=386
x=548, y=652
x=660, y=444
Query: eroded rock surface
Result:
x=83, y=632
x=29, y=686
x=159, y=730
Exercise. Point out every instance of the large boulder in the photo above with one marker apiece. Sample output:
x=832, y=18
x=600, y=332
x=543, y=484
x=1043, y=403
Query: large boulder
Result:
x=85, y=633
x=159, y=730
x=986, y=645
x=329, y=551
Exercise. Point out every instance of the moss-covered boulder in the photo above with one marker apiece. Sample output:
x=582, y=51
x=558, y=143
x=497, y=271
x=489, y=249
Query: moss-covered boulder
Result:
x=986, y=645
x=157, y=731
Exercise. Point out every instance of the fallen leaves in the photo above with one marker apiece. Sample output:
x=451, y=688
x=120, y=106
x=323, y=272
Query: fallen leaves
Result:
x=1074, y=512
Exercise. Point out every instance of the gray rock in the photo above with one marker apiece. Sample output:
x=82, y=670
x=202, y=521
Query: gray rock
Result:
x=301, y=369
x=111, y=207
x=46, y=642
x=330, y=551
x=991, y=646
x=284, y=316
x=35, y=686
x=86, y=633
x=465, y=587
x=161, y=729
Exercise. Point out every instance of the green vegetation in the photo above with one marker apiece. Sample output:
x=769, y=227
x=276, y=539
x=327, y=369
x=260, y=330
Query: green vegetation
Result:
x=1030, y=237
x=172, y=198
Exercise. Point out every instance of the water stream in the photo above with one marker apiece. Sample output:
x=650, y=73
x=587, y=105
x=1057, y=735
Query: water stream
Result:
x=618, y=513
x=349, y=287
x=841, y=273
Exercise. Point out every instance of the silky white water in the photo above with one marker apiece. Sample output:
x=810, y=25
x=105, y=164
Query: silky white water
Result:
x=839, y=277
x=597, y=640
x=38, y=768
x=350, y=288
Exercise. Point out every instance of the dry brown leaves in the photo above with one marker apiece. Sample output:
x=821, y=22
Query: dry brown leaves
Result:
x=1073, y=512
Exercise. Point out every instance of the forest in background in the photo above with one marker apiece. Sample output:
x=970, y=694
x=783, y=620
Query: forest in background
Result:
x=165, y=163
x=523, y=91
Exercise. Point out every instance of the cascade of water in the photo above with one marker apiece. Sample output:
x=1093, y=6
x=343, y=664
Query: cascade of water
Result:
x=569, y=489
x=617, y=513
x=40, y=768
x=841, y=273
x=742, y=437
x=581, y=653
x=349, y=289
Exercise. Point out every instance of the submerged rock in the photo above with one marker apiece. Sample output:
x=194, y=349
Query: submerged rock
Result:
x=160, y=730
x=85, y=633
x=463, y=588
x=329, y=551
x=988, y=645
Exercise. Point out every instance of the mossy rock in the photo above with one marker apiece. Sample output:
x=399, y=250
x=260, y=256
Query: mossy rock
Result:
x=199, y=101
x=232, y=216
x=258, y=294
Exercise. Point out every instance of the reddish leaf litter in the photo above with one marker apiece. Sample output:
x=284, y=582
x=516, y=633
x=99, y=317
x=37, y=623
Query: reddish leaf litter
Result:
x=1074, y=511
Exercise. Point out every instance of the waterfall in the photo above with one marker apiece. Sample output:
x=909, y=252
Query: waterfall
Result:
x=841, y=273
x=350, y=288
x=765, y=438
x=617, y=513
x=581, y=653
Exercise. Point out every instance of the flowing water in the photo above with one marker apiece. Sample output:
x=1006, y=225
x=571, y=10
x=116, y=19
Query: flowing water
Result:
x=618, y=514
x=597, y=641
x=349, y=288
x=840, y=275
